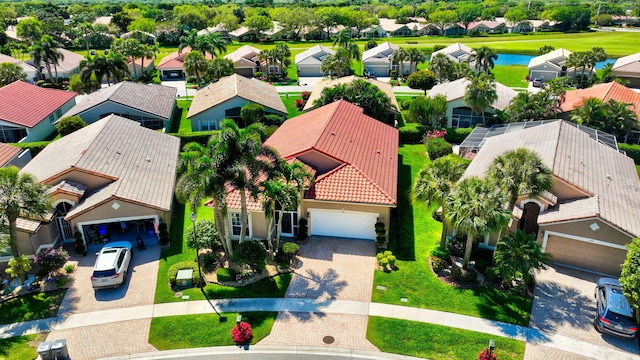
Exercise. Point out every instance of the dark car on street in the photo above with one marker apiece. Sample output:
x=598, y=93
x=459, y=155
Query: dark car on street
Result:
x=614, y=315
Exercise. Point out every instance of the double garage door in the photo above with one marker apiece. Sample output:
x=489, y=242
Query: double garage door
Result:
x=581, y=254
x=343, y=223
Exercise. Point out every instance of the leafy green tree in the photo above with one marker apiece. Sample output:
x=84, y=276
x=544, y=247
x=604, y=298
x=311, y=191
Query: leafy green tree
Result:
x=30, y=29
x=193, y=17
x=468, y=13
x=69, y=124
x=46, y=51
x=630, y=276
x=195, y=64
x=475, y=207
x=251, y=113
x=143, y=24
x=78, y=85
x=435, y=183
x=19, y=266
x=122, y=20
x=515, y=16
x=21, y=195
x=423, y=80
x=361, y=93
x=259, y=24
x=484, y=57
x=370, y=44
x=206, y=235
x=10, y=72
x=442, y=19
x=480, y=93
x=520, y=172
x=251, y=253
x=429, y=111
x=327, y=18
x=518, y=255
x=219, y=68
x=293, y=20
x=226, y=18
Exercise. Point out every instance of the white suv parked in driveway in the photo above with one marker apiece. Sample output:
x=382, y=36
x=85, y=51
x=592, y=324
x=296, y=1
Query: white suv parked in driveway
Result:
x=111, y=265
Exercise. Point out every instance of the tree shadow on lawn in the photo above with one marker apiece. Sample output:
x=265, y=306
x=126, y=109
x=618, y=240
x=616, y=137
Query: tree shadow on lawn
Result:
x=401, y=229
x=496, y=304
x=176, y=231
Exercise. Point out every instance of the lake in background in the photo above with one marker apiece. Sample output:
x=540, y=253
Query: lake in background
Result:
x=518, y=59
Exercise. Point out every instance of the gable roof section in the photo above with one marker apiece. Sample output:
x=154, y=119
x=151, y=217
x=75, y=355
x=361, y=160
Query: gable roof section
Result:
x=604, y=92
x=341, y=130
x=176, y=59
x=317, y=52
x=382, y=51
x=457, y=52
x=320, y=86
x=580, y=161
x=8, y=153
x=17, y=105
x=454, y=90
x=142, y=161
x=236, y=85
x=628, y=64
x=149, y=98
x=70, y=61
x=550, y=56
x=23, y=65
x=244, y=52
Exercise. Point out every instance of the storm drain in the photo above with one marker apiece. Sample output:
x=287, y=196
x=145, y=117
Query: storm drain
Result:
x=328, y=339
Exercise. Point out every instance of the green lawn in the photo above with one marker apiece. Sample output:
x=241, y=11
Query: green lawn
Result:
x=414, y=235
x=638, y=170
x=32, y=307
x=268, y=288
x=191, y=331
x=511, y=75
x=185, y=124
x=20, y=347
x=436, y=342
x=290, y=103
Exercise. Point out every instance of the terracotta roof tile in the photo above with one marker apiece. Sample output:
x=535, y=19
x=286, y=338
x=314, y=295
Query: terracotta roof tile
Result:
x=17, y=105
x=341, y=131
x=347, y=183
x=7, y=153
x=604, y=92
x=175, y=60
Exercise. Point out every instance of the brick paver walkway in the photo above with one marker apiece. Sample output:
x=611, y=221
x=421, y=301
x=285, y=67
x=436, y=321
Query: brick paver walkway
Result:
x=329, y=269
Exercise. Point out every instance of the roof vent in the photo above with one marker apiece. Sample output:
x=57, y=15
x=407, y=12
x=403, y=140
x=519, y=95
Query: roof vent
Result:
x=609, y=177
x=148, y=160
x=377, y=151
x=333, y=133
x=118, y=152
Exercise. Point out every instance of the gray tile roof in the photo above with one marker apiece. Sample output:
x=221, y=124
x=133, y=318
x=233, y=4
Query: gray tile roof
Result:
x=596, y=169
x=69, y=186
x=142, y=162
x=454, y=90
x=236, y=85
x=153, y=99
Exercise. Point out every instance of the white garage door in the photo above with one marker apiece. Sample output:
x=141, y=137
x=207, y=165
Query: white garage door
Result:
x=343, y=223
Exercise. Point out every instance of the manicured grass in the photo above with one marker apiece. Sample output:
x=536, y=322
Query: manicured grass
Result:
x=268, y=288
x=511, y=75
x=185, y=124
x=414, y=234
x=436, y=342
x=20, y=347
x=638, y=169
x=290, y=103
x=32, y=307
x=191, y=331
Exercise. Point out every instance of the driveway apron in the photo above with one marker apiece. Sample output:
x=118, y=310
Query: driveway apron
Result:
x=329, y=269
x=120, y=338
x=564, y=304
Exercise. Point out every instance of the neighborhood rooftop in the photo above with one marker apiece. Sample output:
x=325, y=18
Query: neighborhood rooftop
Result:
x=27, y=105
x=320, y=86
x=454, y=90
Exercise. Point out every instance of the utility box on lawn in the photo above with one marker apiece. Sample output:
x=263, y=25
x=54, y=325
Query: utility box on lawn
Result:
x=184, y=279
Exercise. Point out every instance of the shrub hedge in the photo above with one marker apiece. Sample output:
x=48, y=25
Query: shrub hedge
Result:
x=457, y=136
x=413, y=134
x=632, y=150
x=438, y=147
x=172, y=273
x=35, y=147
x=201, y=137
x=226, y=274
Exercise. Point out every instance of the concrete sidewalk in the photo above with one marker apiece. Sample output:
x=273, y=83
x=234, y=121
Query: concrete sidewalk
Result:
x=464, y=322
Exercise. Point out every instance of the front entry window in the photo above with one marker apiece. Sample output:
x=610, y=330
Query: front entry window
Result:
x=236, y=224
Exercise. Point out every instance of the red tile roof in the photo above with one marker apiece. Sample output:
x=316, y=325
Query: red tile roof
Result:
x=604, y=92
x=176, y=60
x=27, y=105
x=7, y=153
x=340, y=130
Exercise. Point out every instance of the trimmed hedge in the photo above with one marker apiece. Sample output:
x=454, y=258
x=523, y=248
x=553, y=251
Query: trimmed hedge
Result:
x=226, y=274
x=438, y=147
x=412, y=134
x=457, y=136
x=201, y=137
x=35, y=147
x=632, y=150
x=172, y=273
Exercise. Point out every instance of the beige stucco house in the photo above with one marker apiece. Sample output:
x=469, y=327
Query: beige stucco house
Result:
x=108, y=177
x=627, y=68
x=246, y=62
x=354, y=162
x=224, y=99
x=309, y=62
x=593, y=208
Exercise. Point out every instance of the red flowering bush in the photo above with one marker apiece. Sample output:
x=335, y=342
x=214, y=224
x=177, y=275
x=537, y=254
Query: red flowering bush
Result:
x=435, y=133
x=51, y=260
x=300, y=104
x=487, y=355
x=242, y=333
x=305, y=95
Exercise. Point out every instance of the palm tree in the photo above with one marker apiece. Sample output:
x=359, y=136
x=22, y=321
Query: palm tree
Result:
x=96, y=65
x=436, y=181
x=480, y=93
x=191, y=39
x=519, y=254
x=86, y=28
x=484, y=57
x=415, y=57
x=117, y=65
x=283, y=55
x=475, y=208
x=441, y=65
x=620, y=119
x=520, y=172
x=195, y=64
x=590, y=113
x=399, y=56
x=147, y=52
x=131, y=49
x=20, y=195
x=336, y=64
x=580, y=60
x=344, y=41
x=213, y=43
x=219, y=68
x=46, y=50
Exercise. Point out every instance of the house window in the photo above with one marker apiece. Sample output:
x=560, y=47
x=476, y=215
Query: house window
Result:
x=274, y=69
x=236, y=224
x=208, y=125
x=58, y=113
x=9, y=134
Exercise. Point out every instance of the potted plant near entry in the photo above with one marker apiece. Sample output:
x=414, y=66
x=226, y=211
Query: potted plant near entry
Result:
x=78, y=244
x=380, y=233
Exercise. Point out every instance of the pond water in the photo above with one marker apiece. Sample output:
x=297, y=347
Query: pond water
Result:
x=519, y=59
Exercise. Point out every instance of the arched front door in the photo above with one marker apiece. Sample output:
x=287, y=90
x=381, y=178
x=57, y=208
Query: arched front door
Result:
x=529, y=221
x=64, y=227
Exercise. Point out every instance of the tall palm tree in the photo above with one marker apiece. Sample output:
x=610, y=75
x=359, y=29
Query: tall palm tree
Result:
x=266, y=56
x=484, y=57
x=476, y=207
x=190, y=39
x=131, y=49
x=480, y=93
x=20, y=195
x=441, y=65
x=118, y=67
x=213, y=43
x=415, y=57
x=399, y=56
x=519, y=254
x=283, y=55
x=436, y=181
x=195, y=64
x=96, y=65
x=520, y=172
x=46, y=51
x=147, y=52
x=336, y=64
x=219, y=68
x=580, y=60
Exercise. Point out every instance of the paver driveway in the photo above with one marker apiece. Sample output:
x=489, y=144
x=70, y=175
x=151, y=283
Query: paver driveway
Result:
x=564, y=304
x=329, y=269
x=93, y=342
